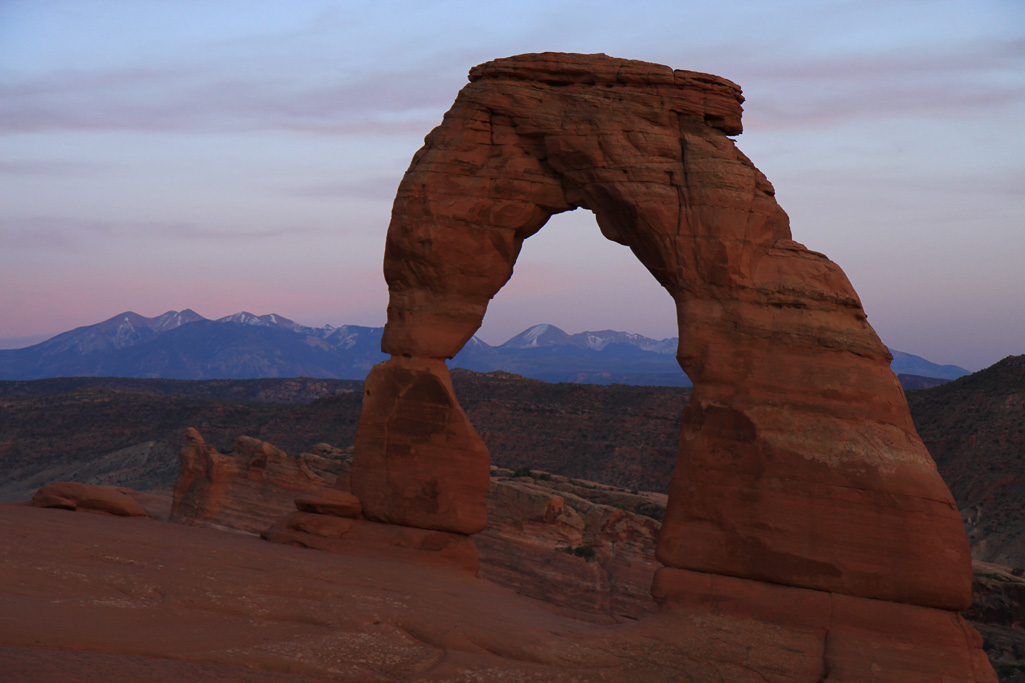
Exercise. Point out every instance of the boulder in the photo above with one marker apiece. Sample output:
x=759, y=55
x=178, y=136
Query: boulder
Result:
x=421, y=463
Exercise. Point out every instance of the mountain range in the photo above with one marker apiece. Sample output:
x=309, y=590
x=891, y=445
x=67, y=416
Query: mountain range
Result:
x=185, y=345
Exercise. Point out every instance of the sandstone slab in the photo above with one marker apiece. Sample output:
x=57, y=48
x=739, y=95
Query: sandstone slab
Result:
x=69, y=495
x=329, y=501
x=419, y=547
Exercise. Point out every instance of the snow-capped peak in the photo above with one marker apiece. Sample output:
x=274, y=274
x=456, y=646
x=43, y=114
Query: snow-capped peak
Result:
x=476, y=343
x=242, y=318
x=173, y=319
x=531, y=335
x=537, y=335
x=269, y=320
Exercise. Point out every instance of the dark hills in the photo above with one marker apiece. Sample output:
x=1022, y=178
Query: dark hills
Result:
x=974, y=427
x=622, y=435
x=627, y=435
x=185, y=345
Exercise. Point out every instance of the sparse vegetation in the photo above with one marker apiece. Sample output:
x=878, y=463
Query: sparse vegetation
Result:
x=655, y=512
x=586, y=552
x=1005, y=671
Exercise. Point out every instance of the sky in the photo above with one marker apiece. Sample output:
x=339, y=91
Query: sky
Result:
x=227, y=156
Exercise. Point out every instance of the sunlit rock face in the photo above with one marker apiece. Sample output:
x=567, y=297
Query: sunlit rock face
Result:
x=798, y=462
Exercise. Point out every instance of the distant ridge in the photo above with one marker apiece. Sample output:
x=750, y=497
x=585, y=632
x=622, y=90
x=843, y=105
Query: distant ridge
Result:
x=909, y=364
x=185, y=345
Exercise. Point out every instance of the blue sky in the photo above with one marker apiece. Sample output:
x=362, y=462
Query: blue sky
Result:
x=226, y=155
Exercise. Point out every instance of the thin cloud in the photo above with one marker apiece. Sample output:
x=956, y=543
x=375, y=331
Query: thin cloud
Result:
x=191, y=99
x=371, y=188
x=192, y=231
x=53, y=167
x=977, y=80
x=55, y=233
x=883, y=101
x=973, y=59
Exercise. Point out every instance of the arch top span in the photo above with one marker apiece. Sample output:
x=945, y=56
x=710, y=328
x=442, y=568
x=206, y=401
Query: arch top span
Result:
x=704, y=98
x=798, y=460
x=644, y=147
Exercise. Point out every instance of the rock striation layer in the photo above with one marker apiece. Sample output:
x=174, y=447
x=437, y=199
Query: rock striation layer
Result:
x=798, y=462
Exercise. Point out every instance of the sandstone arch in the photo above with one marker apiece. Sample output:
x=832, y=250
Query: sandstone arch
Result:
x=798, y=462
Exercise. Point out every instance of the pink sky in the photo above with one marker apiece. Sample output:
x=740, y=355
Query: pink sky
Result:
x=221, y=157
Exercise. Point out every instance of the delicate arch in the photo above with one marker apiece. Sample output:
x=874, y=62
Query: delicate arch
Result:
x=798, y=462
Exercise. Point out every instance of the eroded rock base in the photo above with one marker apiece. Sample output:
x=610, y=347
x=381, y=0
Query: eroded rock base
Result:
x=849, y=638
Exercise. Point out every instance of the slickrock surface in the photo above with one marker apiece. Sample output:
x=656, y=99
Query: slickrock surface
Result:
x=594, y=561
x=246, y=488
x=799, y=464
x=110, y=598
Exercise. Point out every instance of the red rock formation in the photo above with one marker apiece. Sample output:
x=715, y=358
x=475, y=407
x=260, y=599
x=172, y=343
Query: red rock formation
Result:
x=245, y=489
x=69, y=495
x=798, y=460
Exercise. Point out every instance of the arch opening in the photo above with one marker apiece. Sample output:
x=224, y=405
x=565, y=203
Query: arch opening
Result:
x=571, y=278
